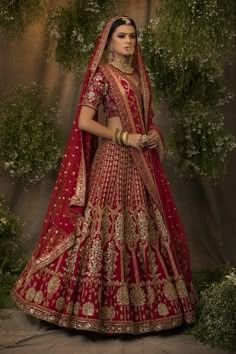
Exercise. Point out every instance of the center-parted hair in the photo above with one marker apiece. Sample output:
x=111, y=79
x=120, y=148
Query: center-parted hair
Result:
x=119, y=22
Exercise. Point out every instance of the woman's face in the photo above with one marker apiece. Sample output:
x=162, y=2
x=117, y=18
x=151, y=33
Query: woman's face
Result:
x=123, y=41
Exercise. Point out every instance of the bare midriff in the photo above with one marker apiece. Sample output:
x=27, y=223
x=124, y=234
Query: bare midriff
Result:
x=114, y=122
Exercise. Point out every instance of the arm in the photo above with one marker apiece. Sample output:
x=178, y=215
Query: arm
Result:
x=89, y=125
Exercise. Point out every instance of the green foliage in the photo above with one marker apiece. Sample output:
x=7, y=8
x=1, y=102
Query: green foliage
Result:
x=186, y=46
x=11, y=260
x=30, y=143
x=16, y=15
x=216, y=322
x=76, y=29
x=212, y=143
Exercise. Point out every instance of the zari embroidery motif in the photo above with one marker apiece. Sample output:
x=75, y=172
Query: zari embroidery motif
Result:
x=53, y=284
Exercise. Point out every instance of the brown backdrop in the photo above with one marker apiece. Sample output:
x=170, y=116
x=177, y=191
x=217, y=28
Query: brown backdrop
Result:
x=207, y=211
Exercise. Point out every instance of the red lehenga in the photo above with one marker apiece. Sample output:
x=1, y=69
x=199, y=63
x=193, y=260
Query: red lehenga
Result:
x=112, y=256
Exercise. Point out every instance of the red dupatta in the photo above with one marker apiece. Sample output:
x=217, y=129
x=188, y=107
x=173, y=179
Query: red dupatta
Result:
x=69, y=195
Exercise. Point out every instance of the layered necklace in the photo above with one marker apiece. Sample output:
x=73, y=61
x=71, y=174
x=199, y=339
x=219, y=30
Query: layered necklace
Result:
x=121, y=65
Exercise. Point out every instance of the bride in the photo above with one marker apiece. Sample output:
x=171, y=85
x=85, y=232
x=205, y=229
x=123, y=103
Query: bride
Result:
x=112, y=256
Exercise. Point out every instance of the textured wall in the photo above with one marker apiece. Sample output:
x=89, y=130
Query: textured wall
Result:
x=207, y=211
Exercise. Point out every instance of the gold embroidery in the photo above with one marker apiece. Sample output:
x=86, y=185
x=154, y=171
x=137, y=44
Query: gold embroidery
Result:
x=60, y=303
x=160, y=222
x=30, y=294
x=150, y=294
x=181, y=288
x=162, y=309
x=95, y=259
x=123, y=296
x=107, y=312
x=19, y=283
x=137, y=296
x=110, y=257
x=143, y=226
x=80, y=192
x=169, y=290
x=69, y=308
x=88, y=309
x=153, y=264
x=53, y=284
x=119, y=227
x=38, y=297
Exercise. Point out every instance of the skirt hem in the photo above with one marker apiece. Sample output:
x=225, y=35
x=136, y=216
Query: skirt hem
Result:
x=108, y=327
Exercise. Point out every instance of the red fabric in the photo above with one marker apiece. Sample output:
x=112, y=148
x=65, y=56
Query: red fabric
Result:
x=179, y=251
x=59, y=226
x=124, y=266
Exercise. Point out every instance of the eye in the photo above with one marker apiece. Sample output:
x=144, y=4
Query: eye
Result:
x=133, y=35
x=121, y=36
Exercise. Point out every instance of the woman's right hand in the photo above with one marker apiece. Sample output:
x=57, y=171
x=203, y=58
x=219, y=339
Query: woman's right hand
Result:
x=135, y=140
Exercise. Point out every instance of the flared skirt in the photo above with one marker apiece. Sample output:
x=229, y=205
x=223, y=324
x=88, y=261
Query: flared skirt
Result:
x=118, y=276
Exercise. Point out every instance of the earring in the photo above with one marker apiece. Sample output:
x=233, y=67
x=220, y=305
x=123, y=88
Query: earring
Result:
x=110, y=55
x=131, y=56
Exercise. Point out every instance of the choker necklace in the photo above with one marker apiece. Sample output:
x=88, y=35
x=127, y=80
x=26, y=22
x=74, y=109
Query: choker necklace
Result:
x=122, y=66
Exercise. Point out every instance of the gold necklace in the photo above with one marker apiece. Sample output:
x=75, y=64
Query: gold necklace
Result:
x=122, y=66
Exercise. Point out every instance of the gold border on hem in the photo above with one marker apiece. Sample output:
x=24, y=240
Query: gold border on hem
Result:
x=105, y=327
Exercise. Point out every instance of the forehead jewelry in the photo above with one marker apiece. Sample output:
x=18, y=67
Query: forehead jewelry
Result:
x=126, y=20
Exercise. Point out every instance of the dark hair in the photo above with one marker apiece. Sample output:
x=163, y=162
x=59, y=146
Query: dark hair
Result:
x=119, y=22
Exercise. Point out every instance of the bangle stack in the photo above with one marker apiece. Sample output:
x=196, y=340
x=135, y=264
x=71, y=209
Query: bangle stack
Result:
x=120, y=137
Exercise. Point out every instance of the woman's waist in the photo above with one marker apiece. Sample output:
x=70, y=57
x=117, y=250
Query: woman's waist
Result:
x=114, y=122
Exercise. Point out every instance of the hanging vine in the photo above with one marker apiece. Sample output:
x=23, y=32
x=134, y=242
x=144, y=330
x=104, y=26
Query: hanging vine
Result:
x=186, y=46
x=75, y=30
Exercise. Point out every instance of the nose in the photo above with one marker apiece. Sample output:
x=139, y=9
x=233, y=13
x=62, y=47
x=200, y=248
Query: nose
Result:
x=128, y=39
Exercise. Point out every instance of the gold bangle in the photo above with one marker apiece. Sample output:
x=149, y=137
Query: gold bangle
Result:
x=124, y=137
x=114, y=133
x=118, y=136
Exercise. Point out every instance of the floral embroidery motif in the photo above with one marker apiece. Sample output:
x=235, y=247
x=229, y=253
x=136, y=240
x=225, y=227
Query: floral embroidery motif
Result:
x=123, y=296
x=162, y=309
x=150, y=295
x=60, y=303
x=107, y=312
x=110, y=257
x=137, y=296
x=169, y=290
x=181, y=288
x=95, y=259
x=30, y=294
x=88, y=309
x=53, y=284
x=38, y=297
x=69, y=308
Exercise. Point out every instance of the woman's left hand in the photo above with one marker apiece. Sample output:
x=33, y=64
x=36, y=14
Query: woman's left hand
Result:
x=153, y=139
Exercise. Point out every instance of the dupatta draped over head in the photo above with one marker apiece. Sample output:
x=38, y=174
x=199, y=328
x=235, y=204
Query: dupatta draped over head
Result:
x=69, y=196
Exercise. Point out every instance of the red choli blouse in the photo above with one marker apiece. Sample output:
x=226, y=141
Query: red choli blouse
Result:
x=98, y=92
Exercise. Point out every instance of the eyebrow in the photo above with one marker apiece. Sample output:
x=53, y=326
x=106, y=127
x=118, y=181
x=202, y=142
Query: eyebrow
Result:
x=126, y=33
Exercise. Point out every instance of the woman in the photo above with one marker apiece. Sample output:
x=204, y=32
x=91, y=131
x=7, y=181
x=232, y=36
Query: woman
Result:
x=112, y=256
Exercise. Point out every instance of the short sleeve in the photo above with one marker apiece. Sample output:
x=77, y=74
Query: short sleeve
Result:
x=96, y=92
